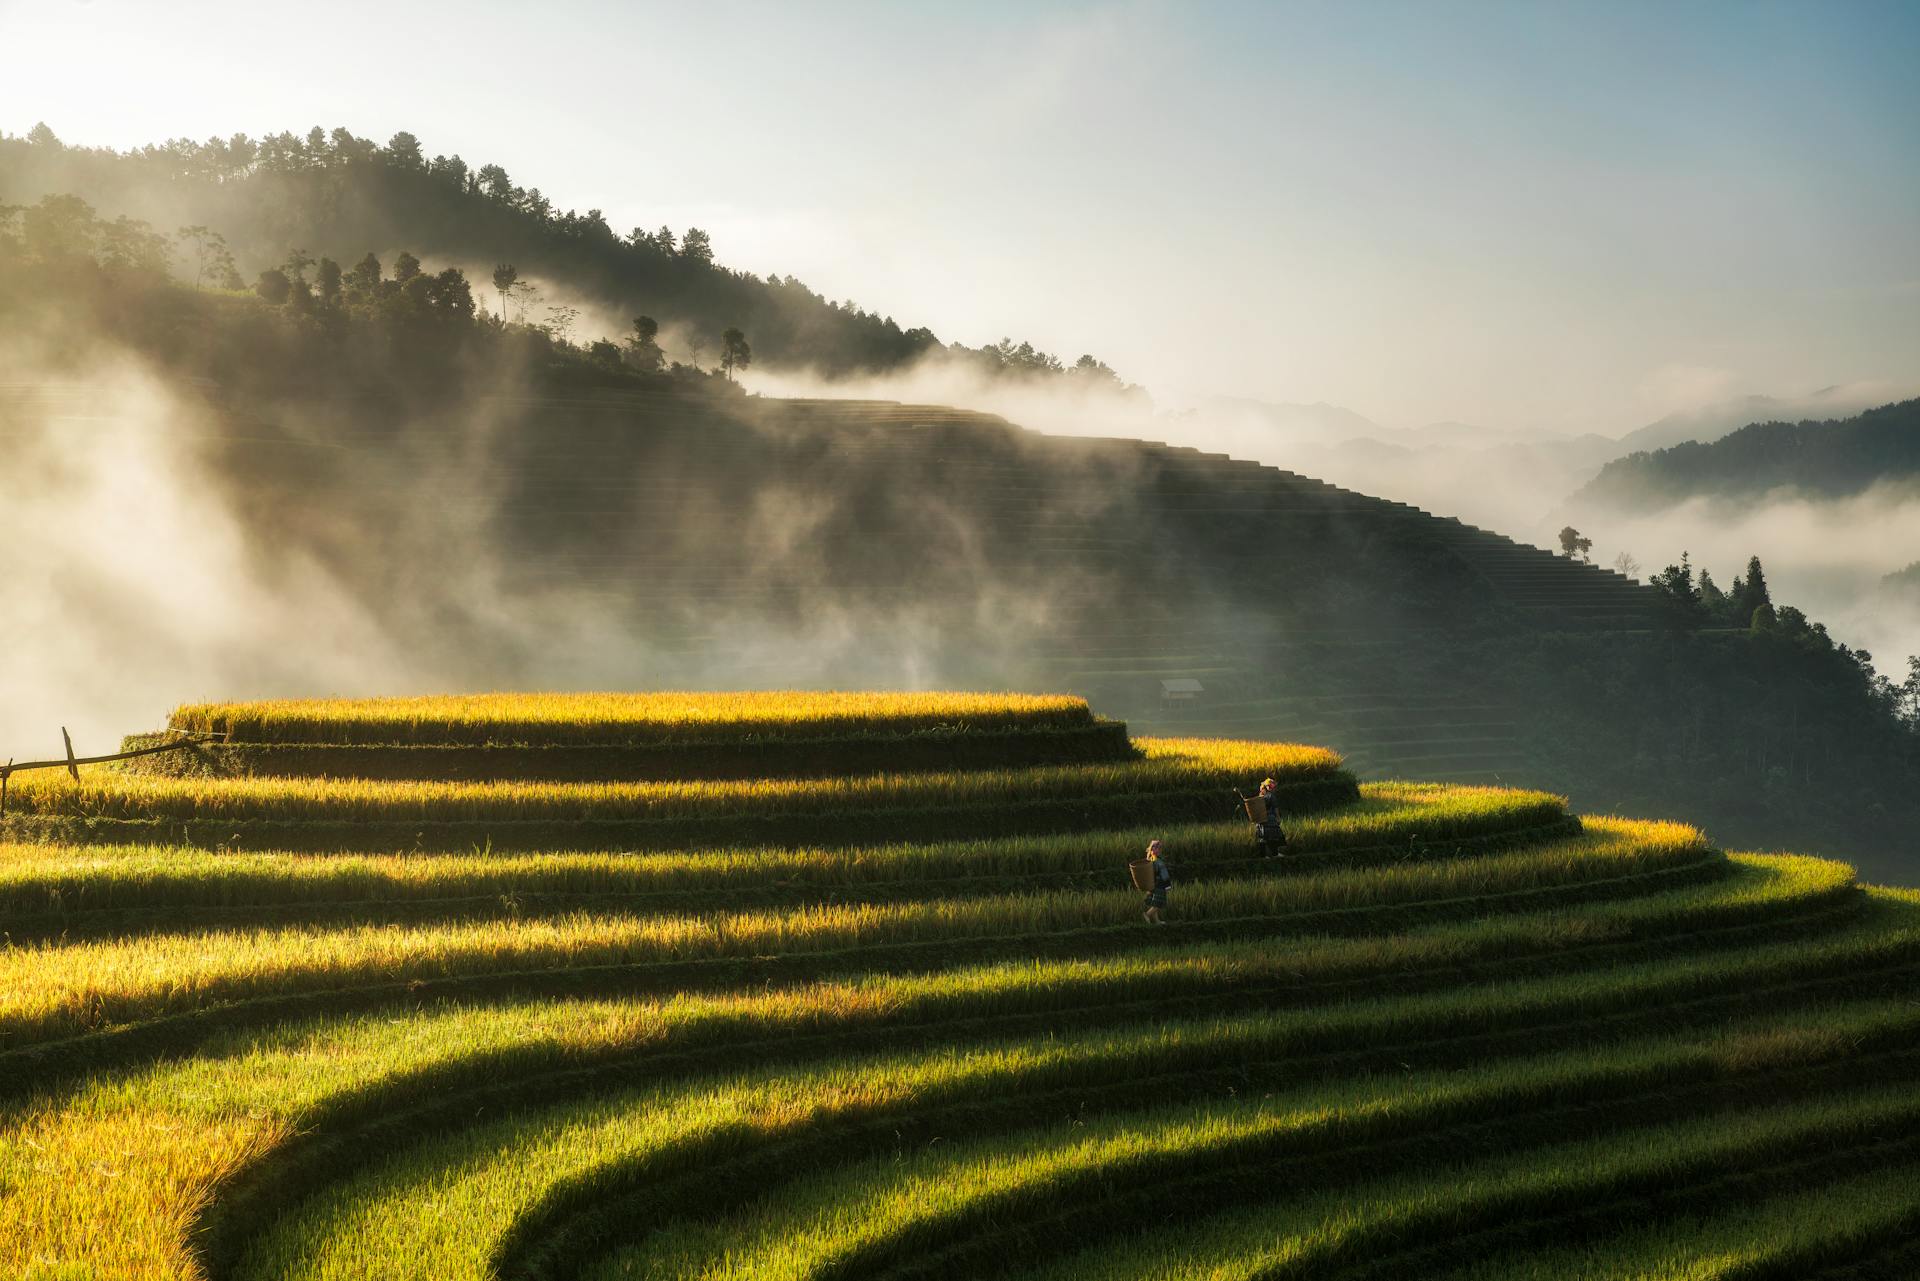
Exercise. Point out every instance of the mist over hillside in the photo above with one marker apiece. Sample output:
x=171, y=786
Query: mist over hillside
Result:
x=362, y=480
x=327, y=193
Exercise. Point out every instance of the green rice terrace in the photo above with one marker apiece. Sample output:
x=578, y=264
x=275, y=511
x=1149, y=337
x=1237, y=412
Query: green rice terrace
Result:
x=788, y=985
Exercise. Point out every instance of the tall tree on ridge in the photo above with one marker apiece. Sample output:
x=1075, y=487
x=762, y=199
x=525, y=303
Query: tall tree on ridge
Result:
x=504, y=277
x=734, y=353
x=642, y=350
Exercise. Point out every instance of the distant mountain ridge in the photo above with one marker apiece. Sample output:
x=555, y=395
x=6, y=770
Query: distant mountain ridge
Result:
x=1835, y=458
x=1708, y=423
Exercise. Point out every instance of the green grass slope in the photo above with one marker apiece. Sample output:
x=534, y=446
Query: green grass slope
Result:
x=1458, y=1032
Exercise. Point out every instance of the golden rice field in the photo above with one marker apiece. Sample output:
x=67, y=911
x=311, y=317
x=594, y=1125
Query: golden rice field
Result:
x=912, y=1023
x=624, y=717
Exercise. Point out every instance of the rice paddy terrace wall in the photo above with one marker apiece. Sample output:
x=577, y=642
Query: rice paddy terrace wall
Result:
x=269, y=1019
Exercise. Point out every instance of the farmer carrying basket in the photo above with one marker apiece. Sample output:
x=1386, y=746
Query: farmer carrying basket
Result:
x=1263, y=811
x=1152, y=876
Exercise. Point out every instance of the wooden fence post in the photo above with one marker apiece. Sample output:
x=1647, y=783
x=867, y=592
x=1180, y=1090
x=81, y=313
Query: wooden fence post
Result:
x=72, y=763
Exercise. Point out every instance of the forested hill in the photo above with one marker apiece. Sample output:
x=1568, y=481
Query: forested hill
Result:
x=334, y=195
x=1830, y=459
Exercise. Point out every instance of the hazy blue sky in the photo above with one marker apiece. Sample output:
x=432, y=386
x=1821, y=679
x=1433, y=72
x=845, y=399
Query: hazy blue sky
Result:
x=1560, y=215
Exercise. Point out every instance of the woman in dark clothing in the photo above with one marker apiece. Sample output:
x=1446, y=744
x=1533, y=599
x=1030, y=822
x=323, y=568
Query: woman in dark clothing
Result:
x=1162, y=878
x=1273, y=840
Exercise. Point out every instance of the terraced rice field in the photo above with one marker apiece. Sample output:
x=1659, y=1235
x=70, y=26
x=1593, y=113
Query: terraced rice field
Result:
x=272, y=1025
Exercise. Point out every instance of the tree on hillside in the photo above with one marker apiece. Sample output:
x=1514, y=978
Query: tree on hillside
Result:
x=403, y=151
x=273, y=286
x=295, y=267
x=1626, y=566
x=1712, y=599
x=405, y=267
x=211, y=258
x=1682, y=597
x=505, y=275
x=1909, y=705
x=363, y=282
x=734, y=352
x=1572, y=545
x=695, y=246
x=643, y=352
x=1749, y=593
x=59, y=228
x=525, y=298
x=495, y=183
x=299, y=296
x=451, y=296
x=326, y=279
x=560, y=321
x=1090, y=372
x=128, y=244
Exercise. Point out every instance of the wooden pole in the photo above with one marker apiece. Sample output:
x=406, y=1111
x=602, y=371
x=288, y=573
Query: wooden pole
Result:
x=73, y=766
x=174, y=746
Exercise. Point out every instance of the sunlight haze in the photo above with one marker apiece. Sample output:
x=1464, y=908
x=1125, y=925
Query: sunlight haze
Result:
x=1558, y=217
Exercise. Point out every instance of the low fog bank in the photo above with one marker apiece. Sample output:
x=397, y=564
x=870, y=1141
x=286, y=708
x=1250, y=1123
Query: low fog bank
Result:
x=170, y=547
x=1502, y=481
x=129, y=589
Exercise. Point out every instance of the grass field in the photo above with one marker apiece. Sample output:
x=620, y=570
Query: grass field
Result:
x=1456, y=1033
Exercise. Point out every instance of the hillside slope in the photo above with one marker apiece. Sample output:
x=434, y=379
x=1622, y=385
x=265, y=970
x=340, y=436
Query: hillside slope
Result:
x=650, y=539
x=374, y=488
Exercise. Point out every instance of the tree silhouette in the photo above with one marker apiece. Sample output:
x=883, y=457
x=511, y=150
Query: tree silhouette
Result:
x=695, y=246
x=326, y=278
x=1572, y=545
x=734, y=352
x=504, y=277
x=494, y=182
x=273, y=286
x=403, y=150
x=363, y=282
x=525, y=298
x=1750, y=593
x=642, y=351
x=210, y=254
x=560, y=321
x=60, y=227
